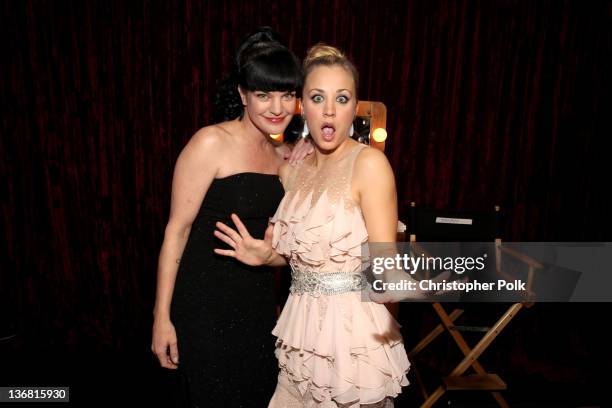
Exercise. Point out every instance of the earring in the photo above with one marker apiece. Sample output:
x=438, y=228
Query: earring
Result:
x=305, y=131
x=351, y=130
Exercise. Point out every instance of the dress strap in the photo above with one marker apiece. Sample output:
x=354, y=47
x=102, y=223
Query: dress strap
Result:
x=355, y=152
x=350, y=165
x=292, y=176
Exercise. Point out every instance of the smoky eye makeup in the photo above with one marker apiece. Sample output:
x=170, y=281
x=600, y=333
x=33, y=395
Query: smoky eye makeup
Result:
x=343, y=99
x=316, y=98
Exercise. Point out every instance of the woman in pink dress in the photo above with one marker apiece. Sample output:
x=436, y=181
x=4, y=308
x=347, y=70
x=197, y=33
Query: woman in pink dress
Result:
x=334, y=348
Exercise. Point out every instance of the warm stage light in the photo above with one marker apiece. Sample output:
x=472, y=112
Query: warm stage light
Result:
x=379, y=135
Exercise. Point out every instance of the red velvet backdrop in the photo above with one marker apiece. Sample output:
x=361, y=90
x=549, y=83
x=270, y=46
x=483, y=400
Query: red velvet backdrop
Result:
x=489, y=102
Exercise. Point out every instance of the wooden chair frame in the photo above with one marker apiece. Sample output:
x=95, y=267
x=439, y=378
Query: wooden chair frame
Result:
x=482, y=380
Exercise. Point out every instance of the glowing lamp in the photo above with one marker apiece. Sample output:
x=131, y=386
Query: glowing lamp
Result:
x=379, y=135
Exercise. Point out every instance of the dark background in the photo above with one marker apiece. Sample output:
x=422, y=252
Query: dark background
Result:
x=489, y=102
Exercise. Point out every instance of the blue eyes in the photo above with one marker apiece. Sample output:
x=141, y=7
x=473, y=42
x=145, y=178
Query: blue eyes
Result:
x=266, y=97
x=317, y=98
x=340, y=99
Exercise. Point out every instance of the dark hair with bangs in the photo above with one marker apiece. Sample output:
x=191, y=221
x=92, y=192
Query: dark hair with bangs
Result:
x=262, y=63
x=273, y=69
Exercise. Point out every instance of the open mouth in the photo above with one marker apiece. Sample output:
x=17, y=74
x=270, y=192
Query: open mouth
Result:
x=328, y=131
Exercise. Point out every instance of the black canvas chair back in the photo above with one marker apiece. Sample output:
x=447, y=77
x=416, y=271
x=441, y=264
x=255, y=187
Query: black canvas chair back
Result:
x=432, y=225
x=427, y=225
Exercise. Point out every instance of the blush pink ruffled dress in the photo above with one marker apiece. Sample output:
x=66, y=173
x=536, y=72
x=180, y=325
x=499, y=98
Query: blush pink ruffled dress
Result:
x=333, y=350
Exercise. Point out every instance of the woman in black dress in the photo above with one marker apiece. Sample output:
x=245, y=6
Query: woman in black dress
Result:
x=214, y=312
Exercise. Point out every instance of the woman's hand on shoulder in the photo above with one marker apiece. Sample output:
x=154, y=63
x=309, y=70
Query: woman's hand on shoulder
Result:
x=302, y=148
x=296, y=153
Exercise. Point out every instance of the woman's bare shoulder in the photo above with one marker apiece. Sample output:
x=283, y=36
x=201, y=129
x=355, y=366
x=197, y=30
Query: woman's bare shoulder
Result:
x=372, y=172
x=210, y=143
x=210, y=137
x=371, y=159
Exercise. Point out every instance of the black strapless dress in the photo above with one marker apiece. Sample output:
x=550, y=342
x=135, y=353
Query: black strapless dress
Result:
x=223, y=311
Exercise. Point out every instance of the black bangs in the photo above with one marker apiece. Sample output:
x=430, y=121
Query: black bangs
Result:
x=273, y=70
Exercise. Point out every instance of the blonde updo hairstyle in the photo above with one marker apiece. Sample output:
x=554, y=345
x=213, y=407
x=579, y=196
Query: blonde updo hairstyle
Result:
x=325, y=55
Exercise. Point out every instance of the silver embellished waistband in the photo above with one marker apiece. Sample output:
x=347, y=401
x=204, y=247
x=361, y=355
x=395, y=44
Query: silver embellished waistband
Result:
x=317, y=284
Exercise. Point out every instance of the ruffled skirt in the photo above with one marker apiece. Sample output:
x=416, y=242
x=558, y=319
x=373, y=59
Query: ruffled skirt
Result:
x=339, y=350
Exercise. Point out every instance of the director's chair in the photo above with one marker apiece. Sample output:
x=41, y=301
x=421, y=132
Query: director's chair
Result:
x=430, y=225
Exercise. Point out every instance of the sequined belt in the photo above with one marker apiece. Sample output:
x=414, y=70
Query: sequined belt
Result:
x=317, y=284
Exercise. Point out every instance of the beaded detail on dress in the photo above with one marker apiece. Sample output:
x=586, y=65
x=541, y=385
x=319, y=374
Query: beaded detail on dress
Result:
x=333, y=283
x=318, y=226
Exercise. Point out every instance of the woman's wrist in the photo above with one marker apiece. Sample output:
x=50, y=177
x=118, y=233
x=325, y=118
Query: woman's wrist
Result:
x=269, y=259
x=161, y=315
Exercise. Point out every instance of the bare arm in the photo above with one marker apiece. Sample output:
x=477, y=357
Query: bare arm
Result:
x=195, y=170
x=374, y=188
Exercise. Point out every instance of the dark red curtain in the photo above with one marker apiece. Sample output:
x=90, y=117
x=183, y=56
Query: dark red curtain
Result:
x=489, y=102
